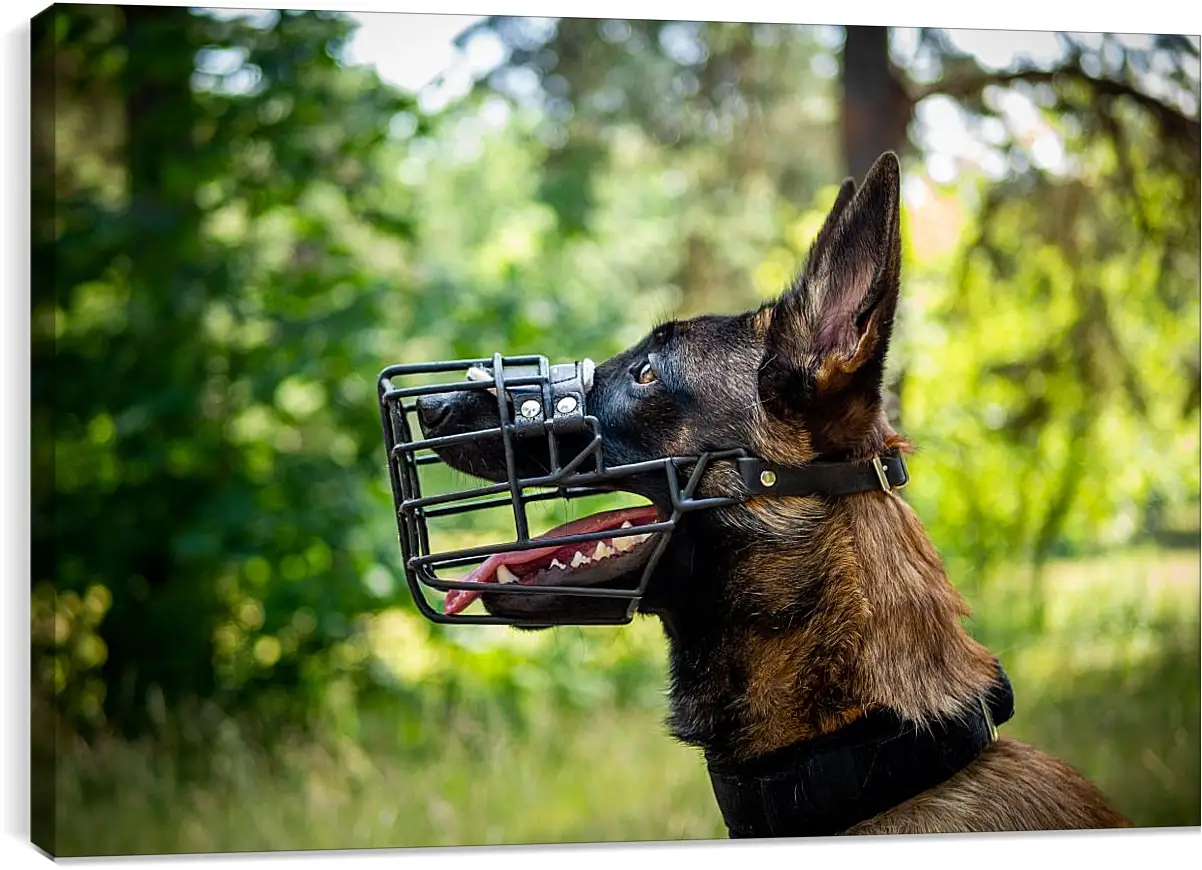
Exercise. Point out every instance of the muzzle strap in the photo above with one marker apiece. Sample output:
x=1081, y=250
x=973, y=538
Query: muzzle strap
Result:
x=556, y=397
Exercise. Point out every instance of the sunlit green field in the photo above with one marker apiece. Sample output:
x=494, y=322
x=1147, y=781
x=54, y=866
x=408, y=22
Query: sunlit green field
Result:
x=1111, y=683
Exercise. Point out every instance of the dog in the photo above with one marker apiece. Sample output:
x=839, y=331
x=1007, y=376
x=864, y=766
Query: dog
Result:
x=816, y=652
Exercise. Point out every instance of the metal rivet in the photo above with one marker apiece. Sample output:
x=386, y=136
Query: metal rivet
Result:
x=566, y=405
x=768, y=478
x=530, y=409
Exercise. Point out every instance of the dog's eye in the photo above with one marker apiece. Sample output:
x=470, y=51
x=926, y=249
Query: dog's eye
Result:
x=646, y=374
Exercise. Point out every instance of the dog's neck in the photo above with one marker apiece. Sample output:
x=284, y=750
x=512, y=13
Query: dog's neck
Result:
x=834, y=610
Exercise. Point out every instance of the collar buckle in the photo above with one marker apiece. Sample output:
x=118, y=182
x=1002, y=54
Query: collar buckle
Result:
x=879, y=468
x=883, y=477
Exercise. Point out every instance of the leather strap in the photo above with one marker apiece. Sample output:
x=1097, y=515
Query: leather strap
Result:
x=886, y=472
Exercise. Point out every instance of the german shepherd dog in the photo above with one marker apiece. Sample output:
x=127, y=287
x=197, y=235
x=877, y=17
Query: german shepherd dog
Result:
x=791, y=619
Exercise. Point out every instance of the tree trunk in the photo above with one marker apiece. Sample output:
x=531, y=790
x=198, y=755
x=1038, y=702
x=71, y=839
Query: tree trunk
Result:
x=163, y=246
x=876, y=107
x=876, y=117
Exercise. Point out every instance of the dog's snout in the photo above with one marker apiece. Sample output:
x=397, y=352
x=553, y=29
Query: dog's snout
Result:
x=434, y=413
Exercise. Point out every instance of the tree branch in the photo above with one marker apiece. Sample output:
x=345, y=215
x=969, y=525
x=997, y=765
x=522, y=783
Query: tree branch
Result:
x=1173, y=123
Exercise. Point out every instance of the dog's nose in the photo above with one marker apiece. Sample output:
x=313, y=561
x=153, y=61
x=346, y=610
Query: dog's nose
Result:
x=433, y=412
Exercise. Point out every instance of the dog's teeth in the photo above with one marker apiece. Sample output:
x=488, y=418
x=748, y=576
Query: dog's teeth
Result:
x=626, y=524
x=625, y=545
x=579, y=559
x=638, y=539
x=504, y=575
x=555, y=563
x=602, y=551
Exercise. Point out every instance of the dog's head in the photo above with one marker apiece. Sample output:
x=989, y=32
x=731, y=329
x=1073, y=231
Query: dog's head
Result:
x=791, y=381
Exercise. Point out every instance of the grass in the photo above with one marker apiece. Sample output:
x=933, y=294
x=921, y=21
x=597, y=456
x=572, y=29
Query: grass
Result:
x=612, y=777
x=1109, y=681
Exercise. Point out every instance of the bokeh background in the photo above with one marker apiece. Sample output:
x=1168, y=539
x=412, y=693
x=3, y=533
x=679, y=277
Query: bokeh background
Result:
x=240, y=218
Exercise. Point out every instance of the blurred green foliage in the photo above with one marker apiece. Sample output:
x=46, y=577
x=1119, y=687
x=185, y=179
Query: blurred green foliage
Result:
x=1110, y=684
x=212, y=265
x=234, y=231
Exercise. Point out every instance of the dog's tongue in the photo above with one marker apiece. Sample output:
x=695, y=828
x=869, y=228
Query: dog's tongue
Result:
x=486, y=572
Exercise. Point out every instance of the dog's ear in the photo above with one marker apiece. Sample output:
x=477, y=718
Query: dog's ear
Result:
x=828, y=334
x=847, y=191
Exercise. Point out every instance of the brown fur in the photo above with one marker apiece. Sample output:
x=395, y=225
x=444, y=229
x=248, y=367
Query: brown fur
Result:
x=885, y=632
x=847, y=605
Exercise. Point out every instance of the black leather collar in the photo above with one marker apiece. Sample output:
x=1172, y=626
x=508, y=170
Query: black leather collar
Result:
x=886, y=471
x=824, y=786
